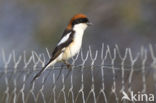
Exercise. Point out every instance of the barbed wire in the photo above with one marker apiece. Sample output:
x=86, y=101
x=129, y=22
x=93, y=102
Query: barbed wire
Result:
x=99, y=76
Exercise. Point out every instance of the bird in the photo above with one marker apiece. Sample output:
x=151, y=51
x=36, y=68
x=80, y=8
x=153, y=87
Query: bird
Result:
x=70, y=43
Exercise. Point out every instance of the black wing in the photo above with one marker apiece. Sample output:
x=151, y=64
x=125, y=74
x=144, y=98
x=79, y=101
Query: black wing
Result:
x=66, y=31
x=57, y=51
x=59, y=48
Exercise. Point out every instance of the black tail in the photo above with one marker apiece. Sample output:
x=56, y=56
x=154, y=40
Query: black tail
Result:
x=39, y=73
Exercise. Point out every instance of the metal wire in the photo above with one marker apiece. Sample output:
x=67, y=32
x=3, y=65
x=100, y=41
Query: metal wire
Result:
x=98, y=76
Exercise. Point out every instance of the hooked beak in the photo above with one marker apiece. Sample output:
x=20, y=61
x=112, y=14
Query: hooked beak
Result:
x=89, y=24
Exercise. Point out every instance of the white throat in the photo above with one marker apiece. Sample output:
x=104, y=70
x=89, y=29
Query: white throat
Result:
x=80, y=27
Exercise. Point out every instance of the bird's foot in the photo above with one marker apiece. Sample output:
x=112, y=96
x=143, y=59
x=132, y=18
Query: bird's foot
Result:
x=69, y=66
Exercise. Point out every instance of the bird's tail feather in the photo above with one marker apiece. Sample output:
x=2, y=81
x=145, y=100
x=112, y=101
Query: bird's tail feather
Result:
x=50, y=63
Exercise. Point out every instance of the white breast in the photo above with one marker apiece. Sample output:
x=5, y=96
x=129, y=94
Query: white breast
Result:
x=75, y=46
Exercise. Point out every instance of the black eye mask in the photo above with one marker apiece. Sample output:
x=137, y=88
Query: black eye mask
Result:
x=81, y=20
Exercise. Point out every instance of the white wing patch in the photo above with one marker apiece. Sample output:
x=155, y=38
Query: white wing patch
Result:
x=64, y=39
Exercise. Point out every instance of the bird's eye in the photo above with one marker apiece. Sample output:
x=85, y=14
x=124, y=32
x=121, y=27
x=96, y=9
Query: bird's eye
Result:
x=81, y=20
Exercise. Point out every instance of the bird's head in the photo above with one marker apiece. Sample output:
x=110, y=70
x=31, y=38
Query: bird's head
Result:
x=79, y=21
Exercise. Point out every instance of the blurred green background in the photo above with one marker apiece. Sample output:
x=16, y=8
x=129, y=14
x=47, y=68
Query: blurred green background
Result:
x=36, y=24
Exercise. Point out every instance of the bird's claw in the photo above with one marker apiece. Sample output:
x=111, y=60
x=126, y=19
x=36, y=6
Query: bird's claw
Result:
x=69, y=66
